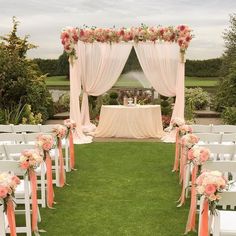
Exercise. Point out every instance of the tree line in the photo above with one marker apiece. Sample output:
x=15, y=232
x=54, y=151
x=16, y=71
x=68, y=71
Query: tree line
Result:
x=198, y=68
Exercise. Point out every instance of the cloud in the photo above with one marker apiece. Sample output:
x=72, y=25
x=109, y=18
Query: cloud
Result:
x=43, y=20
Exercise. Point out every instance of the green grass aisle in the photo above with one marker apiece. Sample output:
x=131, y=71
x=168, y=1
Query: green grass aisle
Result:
x=119, y=189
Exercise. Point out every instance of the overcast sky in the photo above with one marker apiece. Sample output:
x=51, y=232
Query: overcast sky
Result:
x=44, y=19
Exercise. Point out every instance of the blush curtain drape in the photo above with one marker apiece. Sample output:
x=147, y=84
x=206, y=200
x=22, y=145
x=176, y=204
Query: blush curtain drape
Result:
x=100, y=66
x=163, y=68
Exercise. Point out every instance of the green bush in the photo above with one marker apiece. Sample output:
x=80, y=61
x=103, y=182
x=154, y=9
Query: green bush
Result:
x=200, y=99
x=229, y=115
x=166, y=106
x=63, y=103
x=113, y=95
x=21, y=82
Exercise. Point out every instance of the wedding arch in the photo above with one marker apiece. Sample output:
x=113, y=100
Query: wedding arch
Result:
x=97, y=57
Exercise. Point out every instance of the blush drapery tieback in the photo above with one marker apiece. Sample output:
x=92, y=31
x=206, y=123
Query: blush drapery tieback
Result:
x=11, y=217
x=61, y=164
x=193, y=206
x=72, y=150
x=33, y=182
x=50, y=192
x=204, y=224
x=176, y=163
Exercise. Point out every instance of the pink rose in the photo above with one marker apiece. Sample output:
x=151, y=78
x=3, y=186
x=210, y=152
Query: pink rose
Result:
x=25, y=165
x=3, y=192
x=190, y=154
x=16, y=180
x=47, y=146
x=182, y=27
x=210, y=189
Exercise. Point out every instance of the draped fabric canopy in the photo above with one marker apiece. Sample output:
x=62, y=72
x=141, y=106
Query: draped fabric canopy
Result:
x=99, y=65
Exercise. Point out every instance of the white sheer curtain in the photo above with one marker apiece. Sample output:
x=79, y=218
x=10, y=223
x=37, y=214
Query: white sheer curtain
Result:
x=100, y=65
x=75, y=90
x=164, y=70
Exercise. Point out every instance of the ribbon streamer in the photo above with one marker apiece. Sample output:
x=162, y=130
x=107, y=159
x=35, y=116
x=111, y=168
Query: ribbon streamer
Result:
x=204, y=228
x=72, y=150
x=61, y=164
x=50, y=192
x=177, y=142
x=33, y=182
x=191, y=223
x=11, y=217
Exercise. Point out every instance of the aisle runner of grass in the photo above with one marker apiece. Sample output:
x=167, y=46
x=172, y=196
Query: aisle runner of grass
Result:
x=119, y=189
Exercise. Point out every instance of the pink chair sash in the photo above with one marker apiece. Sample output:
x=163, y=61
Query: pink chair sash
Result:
x=50, y=192
x=72, y=151
x=204, y=228
x=191, y=223
x=177, y=146
x=11, y=217
x=33, y=182
x=61, y=164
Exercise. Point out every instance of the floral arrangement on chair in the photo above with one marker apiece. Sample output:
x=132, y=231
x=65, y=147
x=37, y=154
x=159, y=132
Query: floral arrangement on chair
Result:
x=210, y=184
x=45, y=142
x=71, y=125
x=29, y=161
x=8, y=184
x=189, y=140
x=198, y=155
x=184, y=129
x=60, y=132
x=177, y=122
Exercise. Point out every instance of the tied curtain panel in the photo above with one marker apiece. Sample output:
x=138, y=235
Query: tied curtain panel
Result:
x=163, y=69
x=99, y=65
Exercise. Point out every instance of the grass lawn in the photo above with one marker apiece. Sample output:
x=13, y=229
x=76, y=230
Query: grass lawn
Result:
x=120, y=189
x=189, y=82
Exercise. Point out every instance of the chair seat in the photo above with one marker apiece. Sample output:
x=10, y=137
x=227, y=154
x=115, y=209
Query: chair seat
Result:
x=20, y=189
x=227, y=223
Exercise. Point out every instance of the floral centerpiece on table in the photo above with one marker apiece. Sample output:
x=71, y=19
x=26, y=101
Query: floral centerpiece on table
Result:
x=210, y=184
x=198, y=155
x=8, y=184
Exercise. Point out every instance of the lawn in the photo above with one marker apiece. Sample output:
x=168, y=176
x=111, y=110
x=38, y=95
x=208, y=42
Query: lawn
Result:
x=119, y=189
x=61, y=81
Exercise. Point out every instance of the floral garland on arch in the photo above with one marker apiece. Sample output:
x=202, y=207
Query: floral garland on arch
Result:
x=181, y=34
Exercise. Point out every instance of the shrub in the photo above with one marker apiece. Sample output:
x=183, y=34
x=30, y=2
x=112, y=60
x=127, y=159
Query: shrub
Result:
x=113, y=95
x=229, y=115
x=200, y=99
x=21, y=82
x=63, y=103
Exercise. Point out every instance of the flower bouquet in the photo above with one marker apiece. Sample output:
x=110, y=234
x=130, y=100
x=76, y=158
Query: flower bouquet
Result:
x=8, y=184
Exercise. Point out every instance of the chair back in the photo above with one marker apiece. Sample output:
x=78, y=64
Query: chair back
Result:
x=26, y=128
x=224, y=128
x=209, y=137
x=6, y=128
x=47, y=128
x=201, y=128
x=228, y=138
x=13, y=151
x=11, y=138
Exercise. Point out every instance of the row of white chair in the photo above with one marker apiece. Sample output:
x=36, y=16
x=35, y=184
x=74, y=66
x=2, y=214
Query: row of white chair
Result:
x=22, y=196
x=214, y=128
x=26, y=128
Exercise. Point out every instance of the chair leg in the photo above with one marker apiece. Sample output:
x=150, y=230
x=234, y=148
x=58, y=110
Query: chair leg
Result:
x=57, y=168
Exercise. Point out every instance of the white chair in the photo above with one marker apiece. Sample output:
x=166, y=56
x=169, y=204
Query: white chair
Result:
x=11, y=138
x=13, y=152
x=223, y=223
x=26, y=128
x=30, y=138
x=2, y=152
x=13, y=166
x=65, y=144
x=224, y=128
x=201, y=128
x=6, y=128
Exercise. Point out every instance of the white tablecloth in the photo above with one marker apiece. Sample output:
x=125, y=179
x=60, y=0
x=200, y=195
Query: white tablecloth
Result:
x=141, y=121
